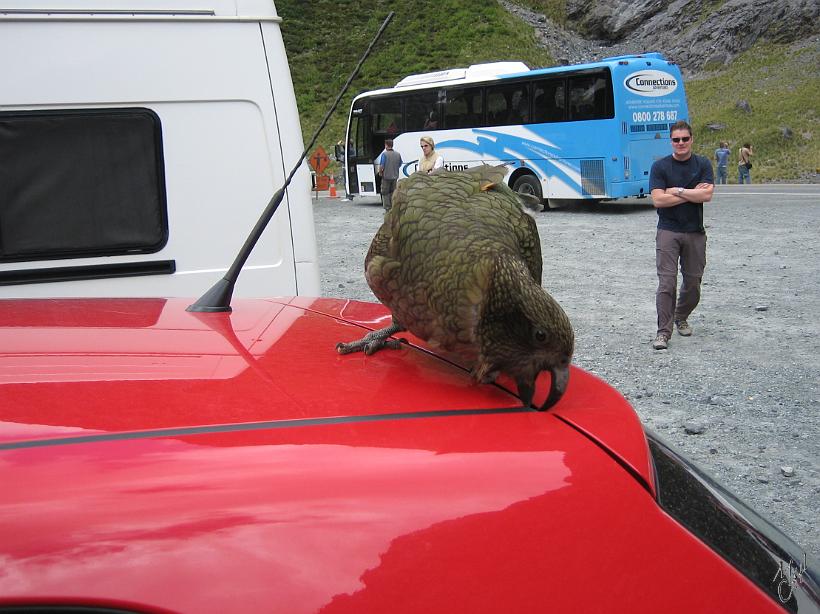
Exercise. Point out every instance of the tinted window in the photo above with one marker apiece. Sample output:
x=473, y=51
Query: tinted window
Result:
x=589, y=97
x=549, y=103
x=81, y=183
x=386, y=115
x=422, y=111
x=508, y=104
x=359, y=145
x=464, y=108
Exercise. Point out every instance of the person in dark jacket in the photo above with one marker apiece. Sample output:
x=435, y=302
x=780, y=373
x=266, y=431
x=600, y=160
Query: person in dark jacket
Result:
x=679, y=183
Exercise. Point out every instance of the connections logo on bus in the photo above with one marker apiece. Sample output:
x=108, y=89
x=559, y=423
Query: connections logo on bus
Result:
x=651, y=83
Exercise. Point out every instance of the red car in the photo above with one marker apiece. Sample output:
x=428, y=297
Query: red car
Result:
x=156, y=460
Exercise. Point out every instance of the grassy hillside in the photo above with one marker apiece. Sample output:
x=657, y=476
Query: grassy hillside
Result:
x=782, y=86
x=325, y=39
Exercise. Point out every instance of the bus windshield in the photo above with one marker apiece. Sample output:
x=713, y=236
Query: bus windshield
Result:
x=583, y=132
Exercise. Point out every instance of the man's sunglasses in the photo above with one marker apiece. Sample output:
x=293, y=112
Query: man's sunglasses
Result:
x=678, y=139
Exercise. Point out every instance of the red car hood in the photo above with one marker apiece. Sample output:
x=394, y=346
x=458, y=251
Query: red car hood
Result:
x=127, y=365
x=157, y=459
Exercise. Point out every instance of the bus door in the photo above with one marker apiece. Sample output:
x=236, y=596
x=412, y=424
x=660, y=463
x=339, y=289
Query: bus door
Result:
x=372, y=121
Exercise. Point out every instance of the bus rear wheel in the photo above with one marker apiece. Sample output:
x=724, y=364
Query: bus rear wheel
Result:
x=527, y=184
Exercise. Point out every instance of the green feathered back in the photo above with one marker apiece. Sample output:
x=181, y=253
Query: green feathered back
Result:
x=432, y=260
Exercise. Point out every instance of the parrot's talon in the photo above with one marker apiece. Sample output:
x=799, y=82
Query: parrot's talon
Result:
x=346, y=348
x=373, y=341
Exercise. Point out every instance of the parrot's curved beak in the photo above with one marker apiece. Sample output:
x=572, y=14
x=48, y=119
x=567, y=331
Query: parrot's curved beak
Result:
x=526, y=390
x=560, y=379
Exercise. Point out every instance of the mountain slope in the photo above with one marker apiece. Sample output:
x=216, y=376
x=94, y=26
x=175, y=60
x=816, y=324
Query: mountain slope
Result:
x=324, y=39
x=750, y=66
x=732, y=51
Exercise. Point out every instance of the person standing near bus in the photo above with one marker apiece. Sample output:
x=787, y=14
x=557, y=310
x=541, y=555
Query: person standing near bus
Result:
x=430, y=160
x=722, y=154
x=744, y=164
x=679, y=183
x=389, y=166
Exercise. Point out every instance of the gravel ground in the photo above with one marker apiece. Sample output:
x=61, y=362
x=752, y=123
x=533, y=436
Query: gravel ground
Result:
x=741, y=396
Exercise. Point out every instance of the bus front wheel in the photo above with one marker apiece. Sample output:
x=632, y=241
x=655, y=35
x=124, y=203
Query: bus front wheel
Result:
x=527, y=184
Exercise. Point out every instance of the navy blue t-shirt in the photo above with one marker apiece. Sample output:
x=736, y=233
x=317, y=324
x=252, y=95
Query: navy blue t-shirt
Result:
x=670, y=173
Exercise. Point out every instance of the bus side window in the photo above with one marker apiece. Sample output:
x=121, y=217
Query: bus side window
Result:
x=508, y=104
x=521, y=104
x=604, y=107
x=422, y=112
x=463, y=108
x=549, y=104
x=387, y=116
x=589, y=98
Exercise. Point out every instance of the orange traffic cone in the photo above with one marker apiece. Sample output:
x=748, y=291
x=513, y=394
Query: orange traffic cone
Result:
x=332, y=188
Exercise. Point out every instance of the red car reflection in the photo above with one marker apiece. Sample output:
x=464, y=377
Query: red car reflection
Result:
x=155, y=460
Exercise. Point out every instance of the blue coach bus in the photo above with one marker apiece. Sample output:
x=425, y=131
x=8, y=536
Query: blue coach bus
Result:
x=585, y=132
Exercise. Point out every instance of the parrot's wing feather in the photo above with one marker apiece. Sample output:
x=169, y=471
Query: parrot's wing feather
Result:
x=521, y=224
x=380, y=269
x=530, y=243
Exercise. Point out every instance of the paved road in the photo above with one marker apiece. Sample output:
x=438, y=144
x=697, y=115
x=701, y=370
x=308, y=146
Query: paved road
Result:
x=749, y=375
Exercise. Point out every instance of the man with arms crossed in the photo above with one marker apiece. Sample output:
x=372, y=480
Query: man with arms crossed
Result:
x=680, y=184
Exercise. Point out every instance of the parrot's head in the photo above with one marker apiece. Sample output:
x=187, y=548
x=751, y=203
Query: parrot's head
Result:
x=525, y=331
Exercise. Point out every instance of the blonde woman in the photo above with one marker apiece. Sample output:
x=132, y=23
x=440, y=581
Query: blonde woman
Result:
x=430, y=161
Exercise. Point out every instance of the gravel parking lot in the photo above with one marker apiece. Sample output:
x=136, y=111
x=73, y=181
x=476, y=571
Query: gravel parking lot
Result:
x=741, y=396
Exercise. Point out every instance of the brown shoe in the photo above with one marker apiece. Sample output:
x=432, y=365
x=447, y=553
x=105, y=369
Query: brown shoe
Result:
x=684, y=330
x=661, y=342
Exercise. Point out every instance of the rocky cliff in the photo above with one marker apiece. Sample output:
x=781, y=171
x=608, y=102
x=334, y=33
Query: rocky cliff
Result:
x=698, y=34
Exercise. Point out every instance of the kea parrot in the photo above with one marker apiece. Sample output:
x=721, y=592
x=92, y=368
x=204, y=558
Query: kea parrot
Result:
x=458, y=263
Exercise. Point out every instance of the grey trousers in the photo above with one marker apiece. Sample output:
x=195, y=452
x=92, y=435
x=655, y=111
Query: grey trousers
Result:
x=387, y=189
x=688, y=248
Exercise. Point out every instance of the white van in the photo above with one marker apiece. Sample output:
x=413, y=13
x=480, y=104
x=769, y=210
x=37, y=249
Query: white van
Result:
x=140, y=140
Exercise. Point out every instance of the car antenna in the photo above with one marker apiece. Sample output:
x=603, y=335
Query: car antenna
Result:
x=218, y=298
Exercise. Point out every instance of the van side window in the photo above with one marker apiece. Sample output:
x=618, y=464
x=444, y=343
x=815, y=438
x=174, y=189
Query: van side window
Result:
x=81, y=183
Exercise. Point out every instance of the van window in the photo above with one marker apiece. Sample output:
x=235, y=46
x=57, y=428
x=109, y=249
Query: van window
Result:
x=81, y=183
